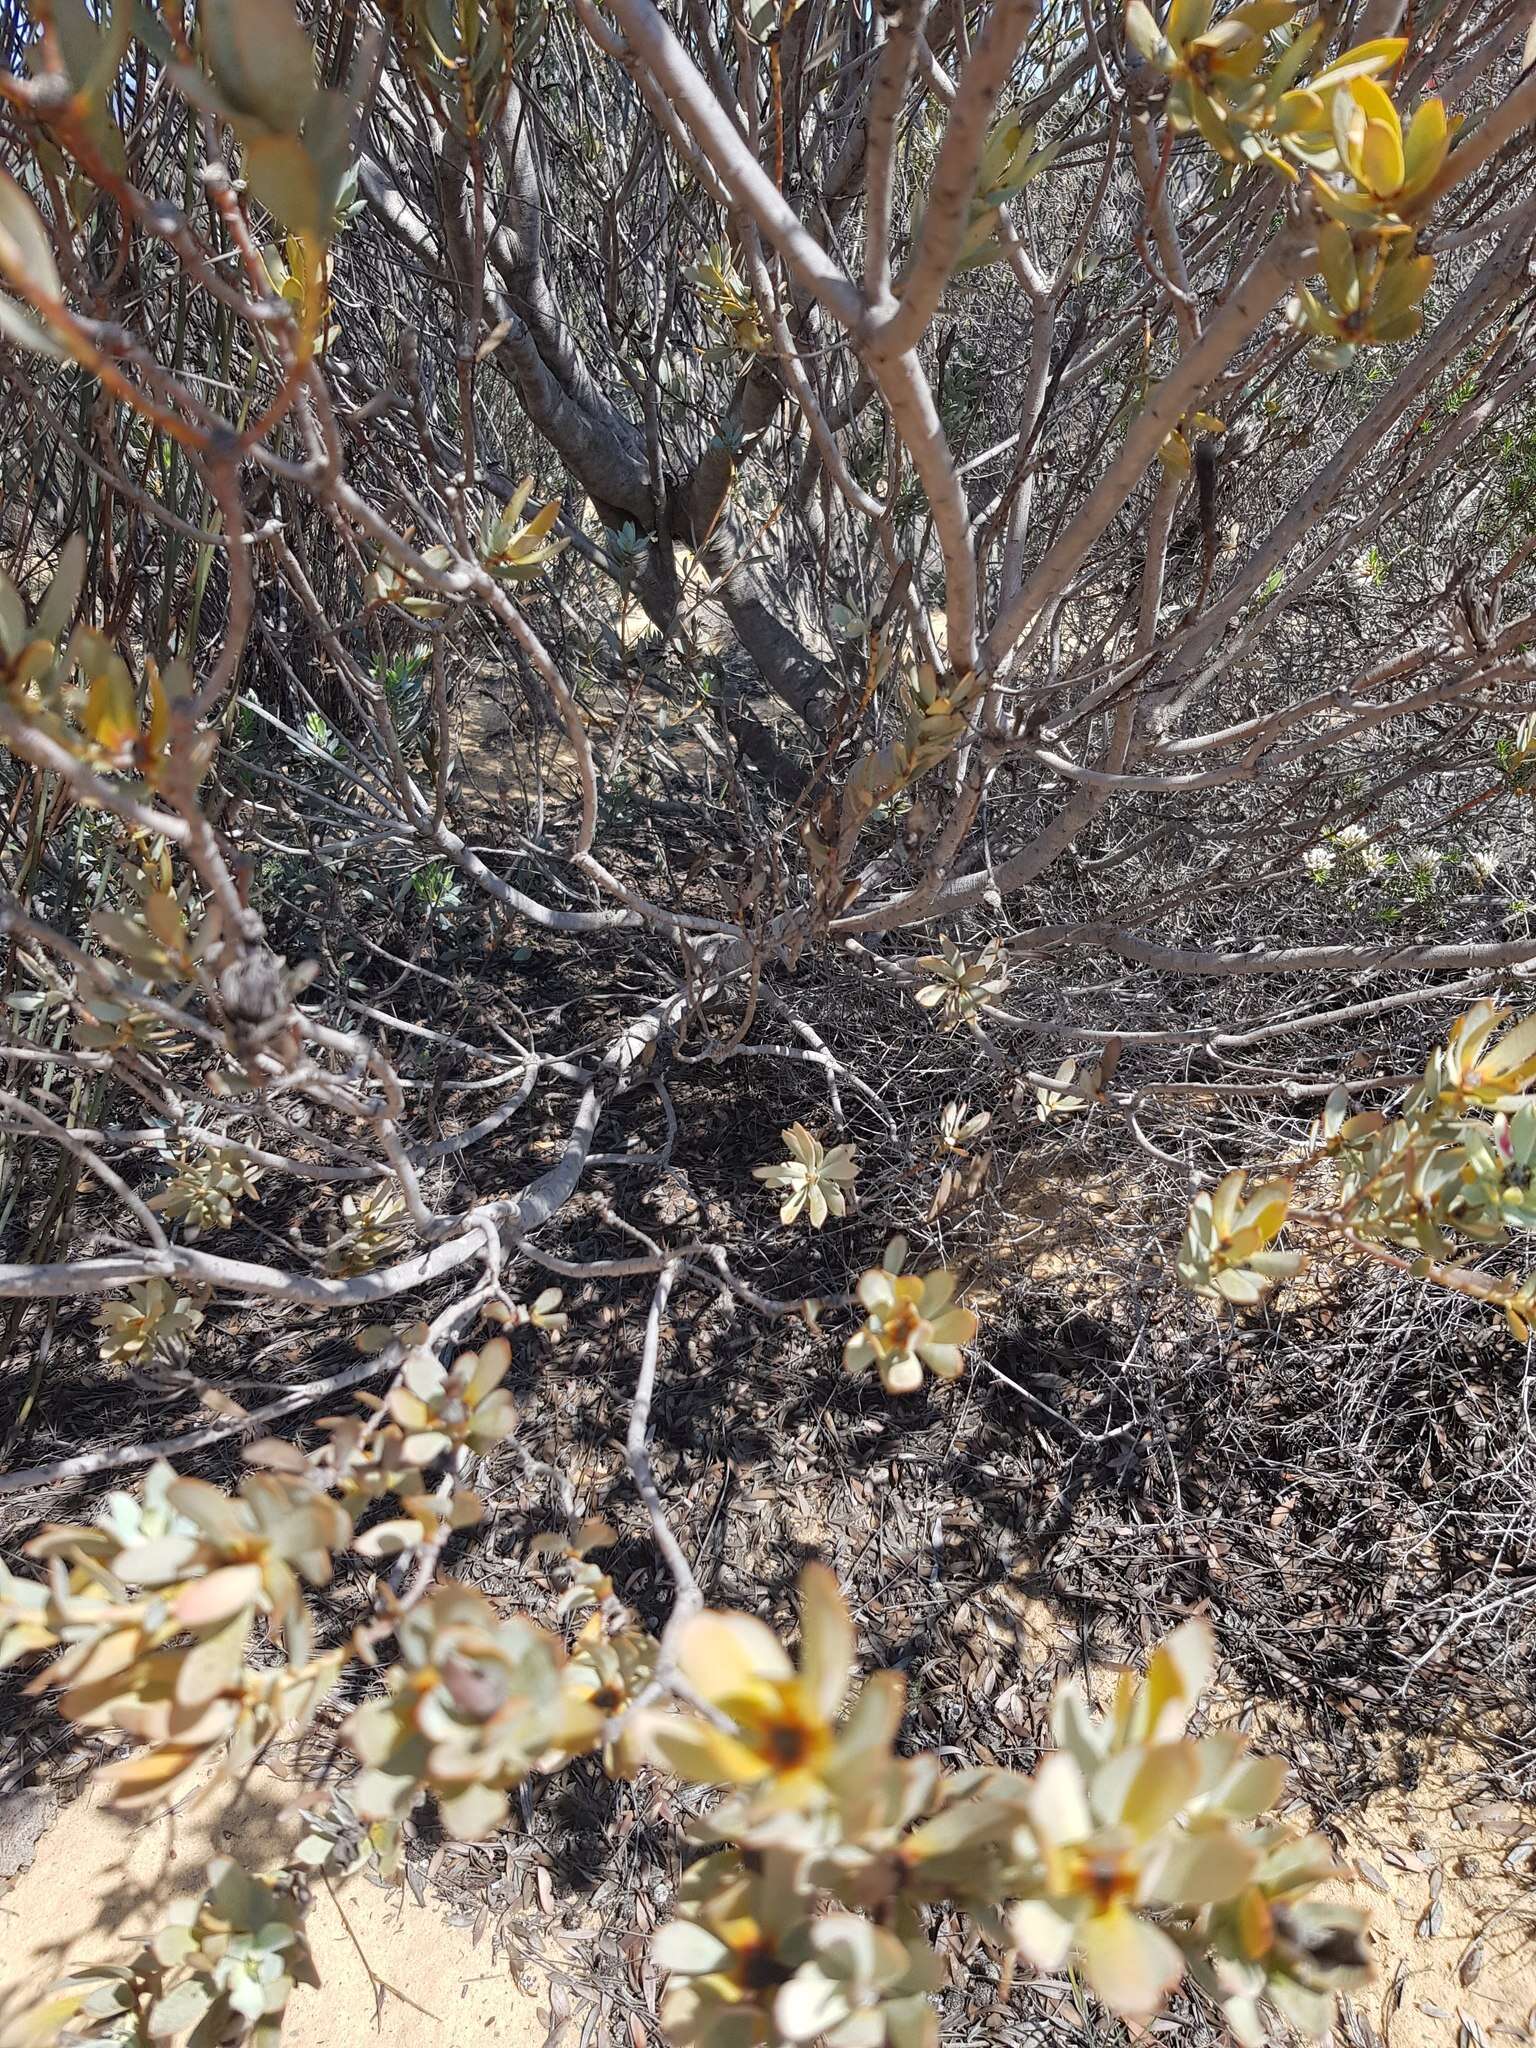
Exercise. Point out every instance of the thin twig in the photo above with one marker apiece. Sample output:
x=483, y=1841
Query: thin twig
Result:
x=637, y=1451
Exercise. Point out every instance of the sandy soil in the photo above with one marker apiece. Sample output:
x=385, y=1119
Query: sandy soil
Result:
x=100, y=1878
x=1453, y=1928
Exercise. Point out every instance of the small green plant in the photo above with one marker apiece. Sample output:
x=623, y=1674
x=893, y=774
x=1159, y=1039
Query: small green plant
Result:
x=320, y=734
x=437, y=889
x=404, y=683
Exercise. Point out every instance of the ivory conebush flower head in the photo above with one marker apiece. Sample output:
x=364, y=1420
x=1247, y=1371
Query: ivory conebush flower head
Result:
x=155, y=1319
x=475, y=1704
x=910, y=1322
x=210, y=1562
x=152, y=1609
x=960, y=985
x=1374, y=292
x=957, y=1127
x=1212, y=67
x=784, y=1744
x=813, y=1179
x=465, y=1403
x=1393, y=169
x=1107, y=1851
x=743, y=1938
x=753, y=1963
x=1129, y=1817
x=1225, y=1253
x=1274, y=1943
x=607, y=1673
x=1476, y=1068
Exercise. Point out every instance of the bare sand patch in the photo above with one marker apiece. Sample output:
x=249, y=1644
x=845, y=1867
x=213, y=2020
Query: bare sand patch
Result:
x=1453, y=1926
x=100, y=1880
